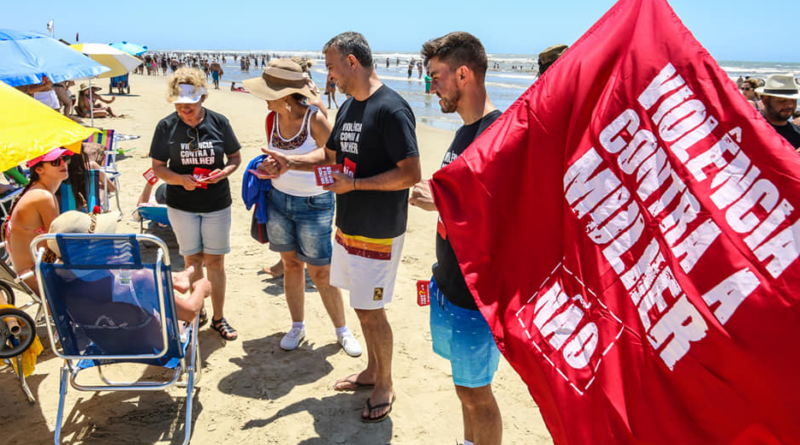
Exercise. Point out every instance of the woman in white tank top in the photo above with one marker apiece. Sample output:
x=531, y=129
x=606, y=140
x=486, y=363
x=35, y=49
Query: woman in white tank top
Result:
x=300, y=213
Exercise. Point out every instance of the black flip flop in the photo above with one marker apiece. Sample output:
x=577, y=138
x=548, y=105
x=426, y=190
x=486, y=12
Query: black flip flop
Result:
x=381, y=418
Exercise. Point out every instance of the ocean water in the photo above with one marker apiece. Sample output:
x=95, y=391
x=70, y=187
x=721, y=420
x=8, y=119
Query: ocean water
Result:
x=514, y=74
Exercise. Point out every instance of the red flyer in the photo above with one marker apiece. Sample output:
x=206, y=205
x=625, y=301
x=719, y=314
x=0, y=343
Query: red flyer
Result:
x=324, y=173
x=200, y=174
x=423, y=296
x=150, y=176
x=349, y=168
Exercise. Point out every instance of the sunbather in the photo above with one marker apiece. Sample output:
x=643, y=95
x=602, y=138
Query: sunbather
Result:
x=87, y=107
x=36, y=208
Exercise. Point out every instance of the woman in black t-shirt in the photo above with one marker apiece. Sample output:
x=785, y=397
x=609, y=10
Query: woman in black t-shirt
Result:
x=194, y=150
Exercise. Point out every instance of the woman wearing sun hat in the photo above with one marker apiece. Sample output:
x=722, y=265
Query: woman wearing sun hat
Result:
x=85, y=104
x=300, y=212
x=194, y=150
x=35, y=208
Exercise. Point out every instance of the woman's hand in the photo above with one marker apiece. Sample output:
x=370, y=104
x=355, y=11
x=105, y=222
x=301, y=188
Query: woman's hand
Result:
x=188, y=182
x=215, y=176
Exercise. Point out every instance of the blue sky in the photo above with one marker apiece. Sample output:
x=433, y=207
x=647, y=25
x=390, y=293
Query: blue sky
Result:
x=764, y=30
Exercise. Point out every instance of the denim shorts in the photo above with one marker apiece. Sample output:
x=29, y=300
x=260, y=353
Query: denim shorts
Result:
x=301, y=224
x=208, y=232
x=463, y=337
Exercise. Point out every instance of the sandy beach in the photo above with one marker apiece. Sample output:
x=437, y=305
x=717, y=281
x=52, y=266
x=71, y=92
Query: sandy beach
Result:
x=252, y=391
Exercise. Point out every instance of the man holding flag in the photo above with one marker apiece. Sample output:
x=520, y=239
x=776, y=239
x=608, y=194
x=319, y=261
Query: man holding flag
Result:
x=629, y=230
x=457, y=64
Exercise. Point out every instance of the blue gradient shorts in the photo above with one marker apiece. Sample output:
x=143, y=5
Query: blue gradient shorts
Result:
x=301, y=224
x=463, y=337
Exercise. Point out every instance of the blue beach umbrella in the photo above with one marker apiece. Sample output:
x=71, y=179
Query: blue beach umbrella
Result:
x=130, y=48
x=26, y=56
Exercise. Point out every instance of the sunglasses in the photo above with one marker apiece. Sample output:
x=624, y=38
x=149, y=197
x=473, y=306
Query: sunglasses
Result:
x=747, y=89
x=193, y=139
x=57, y=162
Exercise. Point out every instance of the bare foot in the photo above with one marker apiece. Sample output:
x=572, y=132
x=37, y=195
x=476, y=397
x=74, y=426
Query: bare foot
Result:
x=276, y=270
x=180, y=280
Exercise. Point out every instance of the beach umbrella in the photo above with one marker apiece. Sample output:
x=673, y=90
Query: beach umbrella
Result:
x=130, y=48
x=27, y=56
x=29, y=129
x=119, y=61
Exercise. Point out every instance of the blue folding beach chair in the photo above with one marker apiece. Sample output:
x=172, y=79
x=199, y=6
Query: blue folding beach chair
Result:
x=109, y=306
x=96, y=194
x=154, y=214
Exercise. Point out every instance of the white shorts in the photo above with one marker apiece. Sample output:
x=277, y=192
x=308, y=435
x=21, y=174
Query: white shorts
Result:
x=367, y=267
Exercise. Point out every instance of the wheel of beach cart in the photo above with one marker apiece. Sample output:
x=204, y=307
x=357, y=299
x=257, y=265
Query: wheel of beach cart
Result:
x=17, y=331
x=7, y=292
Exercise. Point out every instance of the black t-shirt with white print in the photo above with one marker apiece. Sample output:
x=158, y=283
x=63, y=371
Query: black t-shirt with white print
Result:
x=373, y=136
x=790, y=132
x=449, y=278
x=174, y=143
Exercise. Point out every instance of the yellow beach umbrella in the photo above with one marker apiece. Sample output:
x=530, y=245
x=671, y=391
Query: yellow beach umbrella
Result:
x=29, y=129
x=119, y=61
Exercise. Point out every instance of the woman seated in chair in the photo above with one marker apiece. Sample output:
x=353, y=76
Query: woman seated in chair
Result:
x=186, y=308
x=88, y=108
x=35, y=208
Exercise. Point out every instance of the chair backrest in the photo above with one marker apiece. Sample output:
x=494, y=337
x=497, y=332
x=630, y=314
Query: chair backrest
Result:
x=92, y=194
x=107, y=138
x=154, y=213
x=106, y=302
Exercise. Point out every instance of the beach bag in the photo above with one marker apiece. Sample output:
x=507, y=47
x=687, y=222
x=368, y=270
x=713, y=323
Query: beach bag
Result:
x=258, y=230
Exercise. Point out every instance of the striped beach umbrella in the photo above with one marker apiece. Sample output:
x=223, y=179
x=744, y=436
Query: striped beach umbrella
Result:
x=119, y=61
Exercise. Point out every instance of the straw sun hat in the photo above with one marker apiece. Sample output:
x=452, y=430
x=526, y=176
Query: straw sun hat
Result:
x=281, y=78
x=86, y=86
x=780, y=85
x=74, y=221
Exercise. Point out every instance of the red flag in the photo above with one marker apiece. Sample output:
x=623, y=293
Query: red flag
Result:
x=629, y=230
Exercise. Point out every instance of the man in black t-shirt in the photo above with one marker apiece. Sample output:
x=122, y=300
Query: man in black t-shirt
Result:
x=374, y=140
x=780, y=94
x=457, y=64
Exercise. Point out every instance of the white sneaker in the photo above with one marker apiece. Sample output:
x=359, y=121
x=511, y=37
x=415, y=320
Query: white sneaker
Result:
x=350, y=344
x=292, y=339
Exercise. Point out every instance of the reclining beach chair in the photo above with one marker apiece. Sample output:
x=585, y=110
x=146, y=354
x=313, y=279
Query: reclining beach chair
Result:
x=108, y=138
x=125, y=83
x=154, y=214
x=17, y=327
x=109, y=306
x=96, y=193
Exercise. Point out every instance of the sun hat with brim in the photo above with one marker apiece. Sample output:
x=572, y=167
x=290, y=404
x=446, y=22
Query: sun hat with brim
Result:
x=552, y=53
x=86, y=86
x=281, y=78
x=187, y=94
x=780, y=85
x=51, y=155
x=74, y=221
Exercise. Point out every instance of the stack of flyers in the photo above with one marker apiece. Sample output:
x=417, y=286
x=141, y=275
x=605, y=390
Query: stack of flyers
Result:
x=324, y=173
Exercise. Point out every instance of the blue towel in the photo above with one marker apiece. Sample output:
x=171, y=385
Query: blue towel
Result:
x=254, y=190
